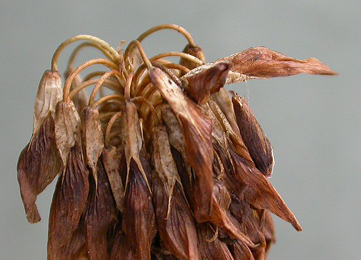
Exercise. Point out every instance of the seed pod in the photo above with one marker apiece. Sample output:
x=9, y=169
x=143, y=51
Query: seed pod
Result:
x=93, y=138
x=100, y=216
x=50, y=92
x=257, y=143
x=38, y=164
x=67, y=128
x=69, y=202
x=195, y=51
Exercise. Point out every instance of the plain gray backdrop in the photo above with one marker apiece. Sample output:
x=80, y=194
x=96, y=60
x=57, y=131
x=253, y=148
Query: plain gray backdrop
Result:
x=313, y=122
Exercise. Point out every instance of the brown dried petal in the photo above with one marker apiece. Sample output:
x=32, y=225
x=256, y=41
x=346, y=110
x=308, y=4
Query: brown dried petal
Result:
x=210, y=247
x=197, y=129
x=257, y=143
x=240, y=251
x=77, y=248
x=67, y=128
x=112, y=164
x=38, y=164
x=177, y=231
x=195, y=51
x=100, y=216
x=122, y=249
x=139, y=223
x=69, y=202
x=93, y=138
x=264, y=63
x=260, y=192
x=50, y=92
x=201, y=85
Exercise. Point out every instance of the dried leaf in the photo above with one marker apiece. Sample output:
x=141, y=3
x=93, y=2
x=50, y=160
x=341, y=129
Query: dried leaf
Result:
x=93, y=138
x=210, y=247
x=139, y=224
x=264, y=63
x=67, y=128
x=50, y=92
x=260, y=193
x=197, y=129
x=112, y=164
x=69, y=202
x=100, y=216
x=257, y=143
x=38, y=164
x=201, y=85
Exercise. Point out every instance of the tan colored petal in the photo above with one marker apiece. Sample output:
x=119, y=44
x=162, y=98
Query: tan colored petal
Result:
x=264, y=63
x=38, y=164
x=67, y=128
x=201, y=85
x=196, y=129
x=112, y=164
x=260, y=193
x=69, y=203
x=93, y=138
x=257, y=143
x=50, y=92
x=100, y=216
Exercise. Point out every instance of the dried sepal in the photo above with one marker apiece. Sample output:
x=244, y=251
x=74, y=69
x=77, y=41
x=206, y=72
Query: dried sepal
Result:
x=93, y=138
x=67, y=128
x=132, y=139
x=258, y=145
x=195, y=51
x=201, y=85
x=69, y=203
x=259, y=192
x=139, y=223
x=50, y=92
x=38, y=164
x=112, y=165
x=100, y=215
x=196, y=129
x=210, y=247
x=261, y=62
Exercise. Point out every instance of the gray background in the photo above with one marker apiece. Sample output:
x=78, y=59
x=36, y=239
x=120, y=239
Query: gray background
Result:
x=313, y=121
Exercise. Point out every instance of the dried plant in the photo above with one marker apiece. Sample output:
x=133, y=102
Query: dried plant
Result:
x=167, y=166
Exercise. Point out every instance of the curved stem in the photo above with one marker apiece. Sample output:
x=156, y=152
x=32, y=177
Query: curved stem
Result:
x=90, y=38
x=128, y=86
x=137, y=44
x=71, y=77
x=88, y=44
x=109, y=127
x=106, y=99
x=167, y=26
x=99, y=84
x=94, y=74
x=179, y=54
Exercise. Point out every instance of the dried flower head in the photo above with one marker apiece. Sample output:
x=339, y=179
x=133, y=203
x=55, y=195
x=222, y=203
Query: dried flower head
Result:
x=166, y=166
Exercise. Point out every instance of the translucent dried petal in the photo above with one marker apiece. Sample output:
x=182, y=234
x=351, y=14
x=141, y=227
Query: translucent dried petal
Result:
x=93, y=138
x=139, y=224
x=50, y=92
x=264, y=63
x=112, y=164
x=257, y=143
x=201, y=85
x=100, y=216
x=67, y=128
x=69, y=202
x=197, y=129
x=38, y=164
x=260, y=193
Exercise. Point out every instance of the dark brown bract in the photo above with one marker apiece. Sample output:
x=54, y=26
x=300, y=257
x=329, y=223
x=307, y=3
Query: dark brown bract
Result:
x=166, y=166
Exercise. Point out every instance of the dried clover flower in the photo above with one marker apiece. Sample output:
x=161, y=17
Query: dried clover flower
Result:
x=167, y=166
